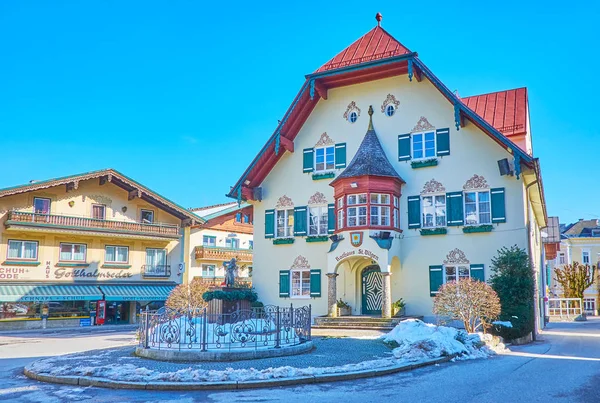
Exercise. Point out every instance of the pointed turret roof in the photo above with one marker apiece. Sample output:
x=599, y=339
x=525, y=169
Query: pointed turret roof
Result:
x=374, y=45
x=370, y=159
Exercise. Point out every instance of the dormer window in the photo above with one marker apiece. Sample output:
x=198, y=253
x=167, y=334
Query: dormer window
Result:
x=324, y=158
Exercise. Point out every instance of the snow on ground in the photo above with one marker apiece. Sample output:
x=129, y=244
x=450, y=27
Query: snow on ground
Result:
x=502, y=323
x=412, y=341
x=415, y=340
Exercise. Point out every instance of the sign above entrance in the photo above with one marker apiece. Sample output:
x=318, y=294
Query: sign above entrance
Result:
x=357, y=253
x=356, y=239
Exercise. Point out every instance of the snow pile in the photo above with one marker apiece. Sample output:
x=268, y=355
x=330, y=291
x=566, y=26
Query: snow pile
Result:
x=415, y=340
x=502, y=323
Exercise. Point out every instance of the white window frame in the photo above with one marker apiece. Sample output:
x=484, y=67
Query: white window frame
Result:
x=231, y=241
x=325, y=150
x=205, y=269
x=116, y=254
x=354, y=204
x=297, y=292
x=288, y=230
x=322, y=215
x=340, y=219
x=72, y=259
x=456, y=268
x=208, y=245
x=103, y=211
x=584, y=253
x=22, y=249
x=477, y=202
x=422, y=149
x=435, y=207
x=562, y=258
x=49, y=205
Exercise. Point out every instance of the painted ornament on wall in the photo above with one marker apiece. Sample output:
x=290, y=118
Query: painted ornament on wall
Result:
x=433, y=186
x=284, y=201
x=300, y=263
x=390, y=105
x=422, y=125
x=456, y=256
x=352, y=112
x=325, y=140
x=476, y=182
x=356, y=238
x=317, y=198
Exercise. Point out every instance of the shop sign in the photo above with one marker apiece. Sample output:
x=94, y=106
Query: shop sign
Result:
x=357, y=252
x=12, y=273
x=82, y=273
x=61, y=273
x=85, y=322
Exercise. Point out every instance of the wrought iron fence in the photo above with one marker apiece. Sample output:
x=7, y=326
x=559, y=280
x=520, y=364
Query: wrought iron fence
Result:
x=257, y=328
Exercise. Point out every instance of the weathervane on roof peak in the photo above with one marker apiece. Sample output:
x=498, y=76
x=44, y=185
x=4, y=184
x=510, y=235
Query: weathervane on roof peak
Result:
x=370, y=117
x=378, y=17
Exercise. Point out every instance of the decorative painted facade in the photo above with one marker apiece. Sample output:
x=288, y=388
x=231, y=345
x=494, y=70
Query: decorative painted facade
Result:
x=74, y=243
x=370, y=232
x=226, y=233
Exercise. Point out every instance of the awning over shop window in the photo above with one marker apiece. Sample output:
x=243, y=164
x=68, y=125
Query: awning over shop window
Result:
x=136, y=292
x=33, y=293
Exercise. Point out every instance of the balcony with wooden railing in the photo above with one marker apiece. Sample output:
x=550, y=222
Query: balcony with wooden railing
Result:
x=222, y=254
x=21, y=219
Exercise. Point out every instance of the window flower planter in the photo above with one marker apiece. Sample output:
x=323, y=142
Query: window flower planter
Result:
x=283, y=241
x=322, y=238
x=478, y=228
x=325, y=175
x=425, y=163
x=434, y=231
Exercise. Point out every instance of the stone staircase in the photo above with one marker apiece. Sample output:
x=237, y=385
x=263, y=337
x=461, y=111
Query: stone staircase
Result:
x=359, y=322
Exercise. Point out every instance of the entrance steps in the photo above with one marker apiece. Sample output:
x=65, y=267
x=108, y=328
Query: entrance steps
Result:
x=359, y=322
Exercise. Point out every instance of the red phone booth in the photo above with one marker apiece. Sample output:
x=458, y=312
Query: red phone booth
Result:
x=100, y=312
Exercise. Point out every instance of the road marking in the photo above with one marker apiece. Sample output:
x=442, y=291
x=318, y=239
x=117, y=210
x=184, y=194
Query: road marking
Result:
x=8, y=391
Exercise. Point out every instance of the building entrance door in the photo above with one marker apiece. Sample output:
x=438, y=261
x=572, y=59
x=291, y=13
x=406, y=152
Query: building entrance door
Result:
x=371, y=280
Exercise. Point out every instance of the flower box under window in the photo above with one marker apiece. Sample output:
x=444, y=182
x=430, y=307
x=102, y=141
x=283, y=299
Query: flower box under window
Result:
x=434, y=231
x=478, y=228
x=324, y=175
x=424, y=163
x=283, y=241
x=322, y=238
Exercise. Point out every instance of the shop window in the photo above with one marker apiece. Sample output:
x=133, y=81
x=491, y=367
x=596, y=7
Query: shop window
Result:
x=26, y=250
x=116, y=254
x=72, y=252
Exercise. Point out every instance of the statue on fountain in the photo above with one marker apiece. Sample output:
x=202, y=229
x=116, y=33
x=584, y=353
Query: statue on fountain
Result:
x=231, y=269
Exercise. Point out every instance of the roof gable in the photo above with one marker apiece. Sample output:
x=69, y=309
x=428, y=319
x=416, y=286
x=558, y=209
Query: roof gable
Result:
x=374, y=45
x=114, y=177
x=506, y=110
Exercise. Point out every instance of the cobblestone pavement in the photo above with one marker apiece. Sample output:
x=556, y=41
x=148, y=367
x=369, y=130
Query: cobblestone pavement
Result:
x=329, y=351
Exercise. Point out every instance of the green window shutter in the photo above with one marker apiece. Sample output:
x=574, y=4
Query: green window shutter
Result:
x=498, y=205
x=284, y=283
x=331, y=218
x=300, y=221
x=309, y=160
x=477, y=272
x=414, y=212
x=404, y=147
x=340, y=155
x=315, y=282
x=269, y=223
x=443, y=142
x=454, y=208
x=436, y=279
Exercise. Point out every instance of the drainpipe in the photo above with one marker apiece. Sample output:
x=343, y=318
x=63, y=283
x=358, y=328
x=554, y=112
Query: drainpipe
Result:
x=536, y=312
x=181, y=268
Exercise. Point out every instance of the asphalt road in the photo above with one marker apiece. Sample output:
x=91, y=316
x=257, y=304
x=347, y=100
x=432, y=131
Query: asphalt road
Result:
x=564, y=367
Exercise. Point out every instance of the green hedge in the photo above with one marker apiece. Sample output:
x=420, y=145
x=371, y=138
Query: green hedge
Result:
x=239, y=295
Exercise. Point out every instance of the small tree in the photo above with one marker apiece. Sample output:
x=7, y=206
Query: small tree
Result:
x=473, y=302
x=575, y=279
x=188, y=296
x=513, y=280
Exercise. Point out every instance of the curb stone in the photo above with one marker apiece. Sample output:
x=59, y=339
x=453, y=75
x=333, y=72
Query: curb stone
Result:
x=230, y=385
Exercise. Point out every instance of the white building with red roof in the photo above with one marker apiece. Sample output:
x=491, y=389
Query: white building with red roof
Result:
x=380, y=183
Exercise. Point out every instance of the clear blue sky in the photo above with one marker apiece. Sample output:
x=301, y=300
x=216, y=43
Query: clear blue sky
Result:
x=181, y=95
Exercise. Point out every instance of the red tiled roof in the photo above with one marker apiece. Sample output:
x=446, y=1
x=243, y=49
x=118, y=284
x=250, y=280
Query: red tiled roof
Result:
x=374, y=45
x=505, y=110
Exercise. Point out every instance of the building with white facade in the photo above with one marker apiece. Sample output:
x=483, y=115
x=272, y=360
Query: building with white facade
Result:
x=380, y=183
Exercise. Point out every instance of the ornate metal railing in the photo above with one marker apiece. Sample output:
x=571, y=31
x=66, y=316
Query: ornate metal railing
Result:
x=160, y=270
x=220, y=253
x=257, y=328
x=90, y=224
x=243, y=282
